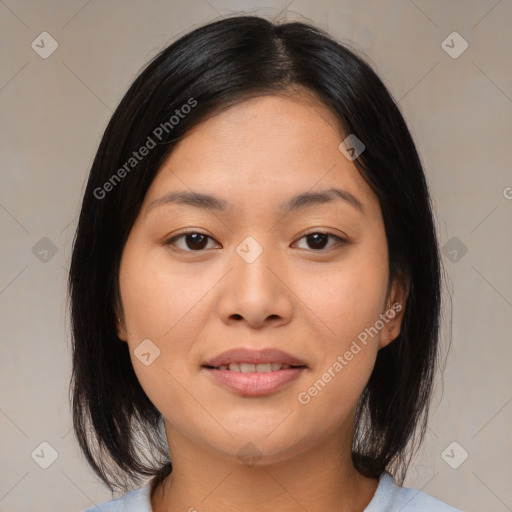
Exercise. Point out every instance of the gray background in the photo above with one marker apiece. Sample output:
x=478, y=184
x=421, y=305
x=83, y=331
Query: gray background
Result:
x=53, y=113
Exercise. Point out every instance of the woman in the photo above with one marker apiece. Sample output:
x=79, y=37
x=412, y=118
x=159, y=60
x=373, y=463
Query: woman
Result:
x=255, y=282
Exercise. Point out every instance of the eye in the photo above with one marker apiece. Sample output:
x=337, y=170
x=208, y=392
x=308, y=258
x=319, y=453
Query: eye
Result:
x=193, y=241
x=318, y=240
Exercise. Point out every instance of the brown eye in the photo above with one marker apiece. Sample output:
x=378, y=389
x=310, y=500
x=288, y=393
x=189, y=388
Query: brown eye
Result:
x=193, y=241
x=318, y=240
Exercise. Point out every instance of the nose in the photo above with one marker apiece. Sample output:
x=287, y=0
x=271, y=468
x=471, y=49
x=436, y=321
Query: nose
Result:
x=255, y=293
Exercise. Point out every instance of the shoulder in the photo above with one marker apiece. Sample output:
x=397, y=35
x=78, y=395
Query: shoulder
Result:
x=134, y=501
x=391, y=498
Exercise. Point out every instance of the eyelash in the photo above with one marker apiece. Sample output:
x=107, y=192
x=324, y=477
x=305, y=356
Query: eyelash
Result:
x=339, y=240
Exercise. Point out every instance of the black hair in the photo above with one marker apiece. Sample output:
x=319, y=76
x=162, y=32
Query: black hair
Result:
x=209, y=69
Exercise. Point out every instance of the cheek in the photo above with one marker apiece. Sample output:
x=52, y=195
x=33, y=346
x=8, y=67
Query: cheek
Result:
x=349, y=300
x=328, y=401
x=167, y=307
x=350, y=304
x=348, y=297
x=159, y=299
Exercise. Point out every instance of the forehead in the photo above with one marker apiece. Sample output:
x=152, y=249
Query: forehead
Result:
x=261, y=151
x=291, y=113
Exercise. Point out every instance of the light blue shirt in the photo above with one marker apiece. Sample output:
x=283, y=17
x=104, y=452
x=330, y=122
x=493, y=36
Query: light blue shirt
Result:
x=387, y=498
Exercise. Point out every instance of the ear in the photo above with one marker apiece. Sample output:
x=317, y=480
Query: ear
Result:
x=120, y=325
x=394, y=311
x=119, y=315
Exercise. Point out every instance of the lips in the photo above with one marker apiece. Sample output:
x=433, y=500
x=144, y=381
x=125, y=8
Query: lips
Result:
x=249, y=367
x=246, y=360
x=254, y=372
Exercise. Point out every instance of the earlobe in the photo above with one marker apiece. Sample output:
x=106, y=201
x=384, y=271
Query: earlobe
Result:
x=120, y=329
x=389, y=333
x=394, y=313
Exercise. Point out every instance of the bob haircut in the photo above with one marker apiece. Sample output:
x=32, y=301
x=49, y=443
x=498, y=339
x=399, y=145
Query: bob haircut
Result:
x=212, y=68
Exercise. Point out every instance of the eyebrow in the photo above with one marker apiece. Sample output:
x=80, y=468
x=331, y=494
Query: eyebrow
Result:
x=298, y=202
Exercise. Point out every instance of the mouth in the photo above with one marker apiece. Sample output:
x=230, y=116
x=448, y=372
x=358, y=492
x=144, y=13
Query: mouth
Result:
x=254, y=373
x=257, y=368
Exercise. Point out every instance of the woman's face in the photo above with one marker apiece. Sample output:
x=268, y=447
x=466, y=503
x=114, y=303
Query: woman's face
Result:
x=277, y=271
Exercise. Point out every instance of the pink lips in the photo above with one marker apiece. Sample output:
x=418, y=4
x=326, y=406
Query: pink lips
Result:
x=242, y=355
x=254, y=383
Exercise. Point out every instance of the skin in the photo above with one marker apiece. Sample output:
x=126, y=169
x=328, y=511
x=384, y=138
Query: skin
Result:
x=310, y=302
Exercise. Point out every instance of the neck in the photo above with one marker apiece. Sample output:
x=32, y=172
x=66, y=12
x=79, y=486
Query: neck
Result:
x=321, y=478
